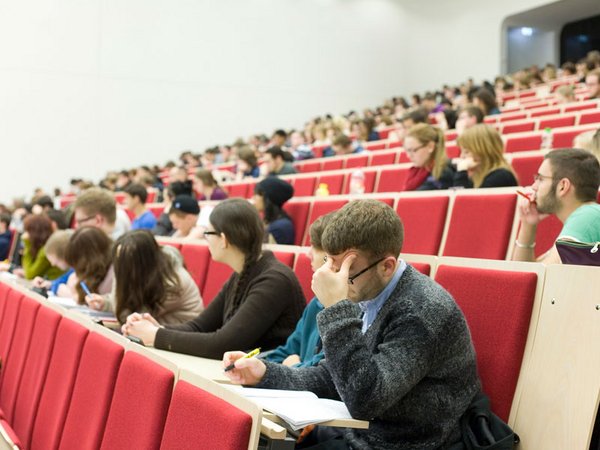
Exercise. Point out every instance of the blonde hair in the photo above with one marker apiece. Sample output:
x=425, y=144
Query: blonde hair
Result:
x=589, y=141
x=485, y=143
x=425, y=134
x=57, y=243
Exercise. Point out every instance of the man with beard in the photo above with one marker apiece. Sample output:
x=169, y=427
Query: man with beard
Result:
x=566, y=185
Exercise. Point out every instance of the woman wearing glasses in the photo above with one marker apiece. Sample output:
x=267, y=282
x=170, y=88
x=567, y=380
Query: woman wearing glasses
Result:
x=148, y=279
x=425, y=147
x=258, y=306
x=481, y=163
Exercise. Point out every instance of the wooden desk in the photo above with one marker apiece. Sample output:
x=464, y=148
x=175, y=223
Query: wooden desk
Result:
x=207, y=368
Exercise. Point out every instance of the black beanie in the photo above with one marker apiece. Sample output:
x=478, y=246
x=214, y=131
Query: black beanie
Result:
x=276, y=190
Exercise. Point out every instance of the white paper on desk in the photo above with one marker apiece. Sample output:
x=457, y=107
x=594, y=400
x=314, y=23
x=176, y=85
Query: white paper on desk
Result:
x=297, y=408
x=67, y=302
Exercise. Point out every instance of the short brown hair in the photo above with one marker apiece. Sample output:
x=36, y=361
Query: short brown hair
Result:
x=581, y=168
x=342, y=140
x=368, y=225
x=57, y=243
x=473, y=111
x=317, y=228
x=98, y=201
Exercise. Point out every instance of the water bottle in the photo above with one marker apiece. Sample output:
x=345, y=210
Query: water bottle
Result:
x=547, y=139
x=322, y=190
x=357, y=182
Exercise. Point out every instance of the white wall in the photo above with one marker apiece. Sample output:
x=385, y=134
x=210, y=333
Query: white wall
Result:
x=523, y=51
x=92, y=85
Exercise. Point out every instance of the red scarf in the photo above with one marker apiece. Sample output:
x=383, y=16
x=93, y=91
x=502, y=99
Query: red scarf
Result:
x=415, y=178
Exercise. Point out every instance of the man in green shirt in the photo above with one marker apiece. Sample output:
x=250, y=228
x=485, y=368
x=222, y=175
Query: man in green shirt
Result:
x=566, y=185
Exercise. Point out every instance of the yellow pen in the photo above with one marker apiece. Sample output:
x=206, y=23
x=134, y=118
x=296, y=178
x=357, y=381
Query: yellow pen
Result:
x=254, y=352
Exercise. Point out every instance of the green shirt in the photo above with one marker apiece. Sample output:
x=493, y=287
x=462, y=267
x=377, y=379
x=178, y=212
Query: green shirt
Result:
x=38, y=266
x=583, y=224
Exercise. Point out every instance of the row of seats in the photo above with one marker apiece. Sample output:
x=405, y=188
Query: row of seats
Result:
x=67, y=383
x=539, y=369
x=533, y=112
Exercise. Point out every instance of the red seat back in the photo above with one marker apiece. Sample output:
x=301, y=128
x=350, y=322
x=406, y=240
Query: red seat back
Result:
x=304, y=274
x=518, y=127
x=383, y=158
x=359, y=160
x=334, y=182
x=92, y=393
x=216, y=276
x=526, y=168
x=558, y=122
x=286, y=258
x=497, y=306
x=58, y=387
x=392, y=179
x=424, y=268
x=424, y=219
x=140, y=403
x=305, y=186
x=589, y=117
x=199, y=420
x=196, y=257
x=547, y=232
x=312, y=166
x=523, y=143
x=34, y=373
x=320, y=208
x=298, y=212
x=332, y=164
x=480, y=226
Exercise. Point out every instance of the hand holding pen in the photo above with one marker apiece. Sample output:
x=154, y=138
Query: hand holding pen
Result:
x=242, y=368
x=94, y=301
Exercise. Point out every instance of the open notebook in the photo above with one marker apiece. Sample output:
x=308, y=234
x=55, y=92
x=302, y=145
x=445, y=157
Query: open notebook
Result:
x=297, y=408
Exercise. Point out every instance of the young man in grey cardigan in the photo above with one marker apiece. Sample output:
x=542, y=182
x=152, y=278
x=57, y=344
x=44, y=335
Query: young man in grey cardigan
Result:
x=397, y=348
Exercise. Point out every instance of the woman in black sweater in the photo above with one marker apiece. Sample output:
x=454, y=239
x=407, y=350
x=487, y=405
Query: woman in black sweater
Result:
x=258, y=306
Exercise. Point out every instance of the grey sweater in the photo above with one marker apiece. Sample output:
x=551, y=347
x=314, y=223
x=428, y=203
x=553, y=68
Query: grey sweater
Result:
x=412, y=374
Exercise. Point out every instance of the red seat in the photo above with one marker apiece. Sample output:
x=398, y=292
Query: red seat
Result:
x=10, y=317
x=451, y=135
x=305, y=186
x=304, y=274
x=92, y=394
x=140, y=403
x=545, y=112
x=332, y=164
x=480, y=226
x=130, y=214
x=523, y=143
x=318, y=150
x=320, y=208
x=564, y=138
x=120, y=197
x=58, y=387
x=567, y=121
x=4, y=290
x=286, y=258
x=423, y=219
x=392, y=179
x=512, y=116
x=518, y=127
x=452, y=151
x=580, y=107
x=34, y=373
x=376, y=145
x=589, y=117
x=547, y=232
x=298, y=212
x=334, y=183
x=403, y=158
x=526, y=167
x=199, y=420
x=237, y=189
x=12, y=365
x=360, y=160
x=424, y=268
x=383, y=158
x=156, y=209
x=196, y=258
x=309, y=166
x=394, y=144
x=497, y=306
x=216, y=276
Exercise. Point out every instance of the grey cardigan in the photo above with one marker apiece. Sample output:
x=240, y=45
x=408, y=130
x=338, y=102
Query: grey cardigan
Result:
x=412, y=374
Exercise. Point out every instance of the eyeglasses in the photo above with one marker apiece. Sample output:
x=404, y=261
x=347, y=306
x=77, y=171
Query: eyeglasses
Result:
x=539, y=177
x=356, y=275
x=85, y=219
x=208, y=233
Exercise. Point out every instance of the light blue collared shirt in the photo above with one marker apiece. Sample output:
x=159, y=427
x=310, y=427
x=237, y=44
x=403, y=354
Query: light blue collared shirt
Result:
x=370, y=308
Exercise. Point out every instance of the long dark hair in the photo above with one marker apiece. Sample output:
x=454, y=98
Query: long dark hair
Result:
x=89, y=254
x=39, y=228
x=144, y=275
x=272, y=211
x=239, y=221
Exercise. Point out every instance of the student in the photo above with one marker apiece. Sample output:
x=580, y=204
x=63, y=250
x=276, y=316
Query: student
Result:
x=5, y=235
x=163, y=226
x=183, y=215
x=397, y=347
x=247, y=164
x=56, y=247
x=485, y=100
x=148, y=280
x=468, y=116
x=426, y=149
x=135, y=200
x=482, y=163
x=257, y=307
x=38, y=229
x=96, y=207
x=89, y=254
x=566, y=185
x=207, y=187
x=275, y=163
x=269, y=197
x=304, y=347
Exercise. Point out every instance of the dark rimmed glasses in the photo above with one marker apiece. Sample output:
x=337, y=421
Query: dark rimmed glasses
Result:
x=356, y=275
x=209, y=233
